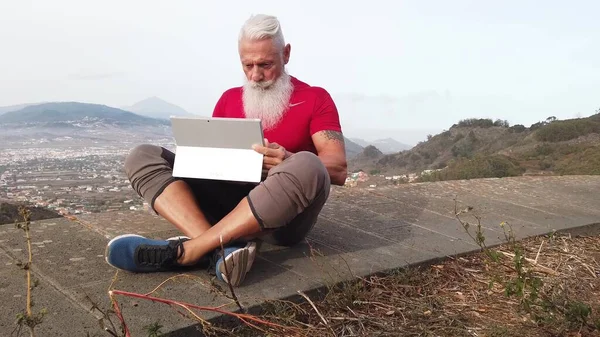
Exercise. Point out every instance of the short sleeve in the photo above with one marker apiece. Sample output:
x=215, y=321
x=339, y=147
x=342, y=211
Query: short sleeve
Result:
x=325, y=116
x=219, y=110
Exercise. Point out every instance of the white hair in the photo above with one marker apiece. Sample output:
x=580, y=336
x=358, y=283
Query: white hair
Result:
x=262, y=26
x=269, y=105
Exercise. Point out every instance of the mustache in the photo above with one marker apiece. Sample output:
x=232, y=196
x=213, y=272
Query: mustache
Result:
x=260, y=84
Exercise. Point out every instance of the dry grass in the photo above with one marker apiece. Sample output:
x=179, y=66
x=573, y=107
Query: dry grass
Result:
x=461, y=297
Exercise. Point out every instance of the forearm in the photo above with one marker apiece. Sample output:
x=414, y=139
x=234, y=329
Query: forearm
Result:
x=337, y=169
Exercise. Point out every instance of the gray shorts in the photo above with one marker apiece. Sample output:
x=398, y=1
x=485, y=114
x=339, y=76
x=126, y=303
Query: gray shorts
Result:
x=287, y=202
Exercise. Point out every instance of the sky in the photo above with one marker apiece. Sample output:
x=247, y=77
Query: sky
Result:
x=400, y=69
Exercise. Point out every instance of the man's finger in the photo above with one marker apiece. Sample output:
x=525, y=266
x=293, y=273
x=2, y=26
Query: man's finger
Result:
x=270, y=166
x=277, y=153
x=267, y=152
x=260, y=149
x=271, y=161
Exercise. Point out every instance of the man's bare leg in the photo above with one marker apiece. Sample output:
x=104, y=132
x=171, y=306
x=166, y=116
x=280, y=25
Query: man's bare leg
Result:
x=239, y=223
x=177, y=205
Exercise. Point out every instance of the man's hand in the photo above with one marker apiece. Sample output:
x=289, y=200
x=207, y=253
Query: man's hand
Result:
x=274, y=154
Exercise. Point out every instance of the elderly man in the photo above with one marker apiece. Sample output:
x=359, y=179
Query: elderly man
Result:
x=303, y=155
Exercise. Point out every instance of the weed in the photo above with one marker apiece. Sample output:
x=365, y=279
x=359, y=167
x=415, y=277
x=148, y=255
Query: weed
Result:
x=524, y=285
x=28, y=318
x=553, y=305
x=153, y=330
x=106, y=323
x=577, y=312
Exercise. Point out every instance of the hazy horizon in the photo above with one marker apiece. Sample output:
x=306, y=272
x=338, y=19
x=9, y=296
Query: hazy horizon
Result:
x=399, y=70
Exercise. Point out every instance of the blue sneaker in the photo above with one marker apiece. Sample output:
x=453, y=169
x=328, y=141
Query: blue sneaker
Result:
x=239, y=260
x=138, y=254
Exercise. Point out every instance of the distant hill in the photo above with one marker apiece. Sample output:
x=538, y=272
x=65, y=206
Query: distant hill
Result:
x=79, y=124
x=363, y=143
x=5, y=109
x=387, y=145
x=352, y=149
x=367, y=158
x=65, y=113
x=476, y=148
x=157, y=108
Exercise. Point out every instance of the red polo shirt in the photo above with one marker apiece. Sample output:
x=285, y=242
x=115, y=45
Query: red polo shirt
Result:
x=312, y=110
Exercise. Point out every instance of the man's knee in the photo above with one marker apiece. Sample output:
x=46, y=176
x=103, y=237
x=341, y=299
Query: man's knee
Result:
x=308, y=170
x=300, y=184
x=139, y=157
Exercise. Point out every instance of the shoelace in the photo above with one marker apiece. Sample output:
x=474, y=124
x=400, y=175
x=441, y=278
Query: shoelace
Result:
x=153, y=255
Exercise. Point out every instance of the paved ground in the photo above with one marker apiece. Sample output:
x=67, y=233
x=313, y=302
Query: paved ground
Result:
x=364, y=230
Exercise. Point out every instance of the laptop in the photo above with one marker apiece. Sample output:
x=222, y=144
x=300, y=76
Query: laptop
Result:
x=217, y=148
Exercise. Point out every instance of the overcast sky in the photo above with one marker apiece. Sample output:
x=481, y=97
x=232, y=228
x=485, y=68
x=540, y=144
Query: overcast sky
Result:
x=395, y=68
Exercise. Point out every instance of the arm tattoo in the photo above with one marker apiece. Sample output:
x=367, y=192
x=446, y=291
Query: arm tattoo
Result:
x=334, y=135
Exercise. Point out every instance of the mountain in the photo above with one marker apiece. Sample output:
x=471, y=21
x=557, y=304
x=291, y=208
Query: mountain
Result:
x=157, y=108
x=79, y=124
x=367, y=158
x=360, y=142
x=352, y=149
x=387, y=145
x=4, y=109
x=477, y=148
x=74, y=113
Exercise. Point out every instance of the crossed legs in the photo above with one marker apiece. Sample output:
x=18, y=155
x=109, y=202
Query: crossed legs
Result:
x=283, y=208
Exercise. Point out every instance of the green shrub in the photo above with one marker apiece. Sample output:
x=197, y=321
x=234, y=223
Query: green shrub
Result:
x=482, y=123
x=537, y=125
x=566, y=130
x=476, y=122
x=481, y=166
x=544, y=149
x=464, y=150
x=517, y=128
x=502, y=123
x=582, y=162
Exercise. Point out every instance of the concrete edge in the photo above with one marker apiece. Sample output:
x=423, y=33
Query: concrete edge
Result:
x=318, y=293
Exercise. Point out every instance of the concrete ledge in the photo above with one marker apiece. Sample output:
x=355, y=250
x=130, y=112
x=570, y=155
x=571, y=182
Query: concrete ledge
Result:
x=360, y=232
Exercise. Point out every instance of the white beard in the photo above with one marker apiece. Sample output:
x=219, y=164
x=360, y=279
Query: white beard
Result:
x=267, y=101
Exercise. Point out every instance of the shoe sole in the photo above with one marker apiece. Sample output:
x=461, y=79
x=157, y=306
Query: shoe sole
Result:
x=178, y=238
x=111, y=241
x=237, y=263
